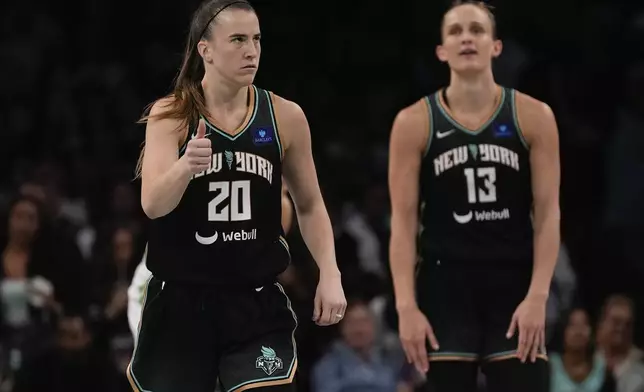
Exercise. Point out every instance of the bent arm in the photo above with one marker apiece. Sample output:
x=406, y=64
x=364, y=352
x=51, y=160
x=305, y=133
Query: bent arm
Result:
x=408, y=138
x=540, y=129
x=164, y=177
x=301, y=178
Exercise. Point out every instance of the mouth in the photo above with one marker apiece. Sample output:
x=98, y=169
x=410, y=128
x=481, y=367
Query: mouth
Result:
x=467, y=52
x=251, y=66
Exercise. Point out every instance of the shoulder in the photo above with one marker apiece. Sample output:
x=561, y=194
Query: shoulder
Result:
x=415, y=114
x=531, y=107
x=287, y=110
x=412, y=127
x=163, y=117
x=289, y=118
x=534, y=117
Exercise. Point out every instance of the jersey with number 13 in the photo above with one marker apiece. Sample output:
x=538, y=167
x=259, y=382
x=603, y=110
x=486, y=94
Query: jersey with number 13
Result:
x=226, y=229
x=475, y=188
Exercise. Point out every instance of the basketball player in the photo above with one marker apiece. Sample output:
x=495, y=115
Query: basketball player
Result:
x=142, y=274
x=480, y=162
x=211, y=176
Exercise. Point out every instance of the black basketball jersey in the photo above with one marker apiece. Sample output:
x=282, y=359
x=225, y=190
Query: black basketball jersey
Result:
x=227, y=229
x=475, y=188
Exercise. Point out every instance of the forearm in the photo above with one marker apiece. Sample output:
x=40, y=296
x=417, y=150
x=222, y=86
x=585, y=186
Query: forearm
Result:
x=546, y=250
x=402, y=260
x=317, y=233
x=162, y=194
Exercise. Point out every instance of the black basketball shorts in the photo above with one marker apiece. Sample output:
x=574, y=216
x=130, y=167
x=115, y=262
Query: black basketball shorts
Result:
x=191, y=337
x=470, y=307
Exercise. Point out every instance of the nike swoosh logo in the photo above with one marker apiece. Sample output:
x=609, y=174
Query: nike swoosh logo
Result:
x=441, y=135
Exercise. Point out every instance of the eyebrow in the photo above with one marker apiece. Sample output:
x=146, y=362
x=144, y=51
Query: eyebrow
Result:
x=240, y=35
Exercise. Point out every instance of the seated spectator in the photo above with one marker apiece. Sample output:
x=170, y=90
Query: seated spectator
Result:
x=355, y=363
x=70, y=365
x=27, y=289
x=574, y=367
x=615, y=343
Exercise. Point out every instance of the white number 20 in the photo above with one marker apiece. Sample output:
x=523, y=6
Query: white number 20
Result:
x=486, y=193
x=239, y=207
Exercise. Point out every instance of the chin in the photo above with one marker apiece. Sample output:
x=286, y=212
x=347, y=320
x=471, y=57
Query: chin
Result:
x=245, y=80
x=468, y=68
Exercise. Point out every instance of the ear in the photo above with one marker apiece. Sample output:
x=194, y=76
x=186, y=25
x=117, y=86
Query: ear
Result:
x=497, y=48
x=441, y=53
x=204, y=51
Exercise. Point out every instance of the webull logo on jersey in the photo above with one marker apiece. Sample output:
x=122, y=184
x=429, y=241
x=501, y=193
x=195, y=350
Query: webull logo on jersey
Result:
x=472, y=152
x=241, y=162
x=482, y=216
x=237, y=235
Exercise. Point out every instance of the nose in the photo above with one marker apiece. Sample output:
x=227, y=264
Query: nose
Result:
x=251, y=50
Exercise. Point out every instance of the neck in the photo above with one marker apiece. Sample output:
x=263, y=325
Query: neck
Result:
x=471, y=93
x=573, y=358
x=222, y=94
x=16, y=245
x=616, y=353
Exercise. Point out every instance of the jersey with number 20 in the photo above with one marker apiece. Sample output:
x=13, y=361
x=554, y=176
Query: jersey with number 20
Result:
x=226, y=229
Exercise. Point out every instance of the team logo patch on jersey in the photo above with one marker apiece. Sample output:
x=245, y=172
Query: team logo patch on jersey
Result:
x=269, y=362
x=263, y=136
x=502, y=130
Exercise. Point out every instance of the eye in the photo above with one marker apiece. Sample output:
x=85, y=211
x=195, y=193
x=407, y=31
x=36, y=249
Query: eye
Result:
x=454, y=30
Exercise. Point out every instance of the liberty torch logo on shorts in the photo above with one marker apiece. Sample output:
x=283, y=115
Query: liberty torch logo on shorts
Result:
x=269, y=362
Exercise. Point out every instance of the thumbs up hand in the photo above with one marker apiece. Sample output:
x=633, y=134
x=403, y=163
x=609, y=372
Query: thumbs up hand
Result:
x=198, y=150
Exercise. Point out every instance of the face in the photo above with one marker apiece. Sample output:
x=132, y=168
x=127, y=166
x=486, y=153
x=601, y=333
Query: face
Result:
x=617, y=325
x=233, y=49
x=578, y=330
x=72, y=334
x=358, y=329
x=123, y=245
x=468, y=42
x=23, y=221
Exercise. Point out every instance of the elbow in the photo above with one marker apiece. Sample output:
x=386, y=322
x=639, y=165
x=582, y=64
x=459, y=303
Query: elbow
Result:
x=309, y=207
x=547, y=214
x=150, y=208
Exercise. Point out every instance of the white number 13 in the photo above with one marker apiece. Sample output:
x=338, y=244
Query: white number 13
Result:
x=486, y=193
x=239, y=207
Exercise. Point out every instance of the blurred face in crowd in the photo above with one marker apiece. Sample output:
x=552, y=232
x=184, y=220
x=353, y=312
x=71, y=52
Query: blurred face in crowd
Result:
x=123, y=242
x=358, y=328
x=578, y=331
x=468, y=39
x=233, y=48
x=73, y=335
x=23, y=221
x=123, y=200
x=617, y=326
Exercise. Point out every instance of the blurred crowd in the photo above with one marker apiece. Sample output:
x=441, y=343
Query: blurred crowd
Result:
x=72, y=231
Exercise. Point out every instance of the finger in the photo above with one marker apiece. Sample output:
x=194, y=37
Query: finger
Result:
x=433, y=342
x=513, y=327
x=542, y=348
x=317, y=309
x=536, y=343
x=422, y=363
x=522, y=340
x=327, y=316
x=202, y=160
x=336, y=316
x=201, y=129
x=407, y=348
x=526, y=337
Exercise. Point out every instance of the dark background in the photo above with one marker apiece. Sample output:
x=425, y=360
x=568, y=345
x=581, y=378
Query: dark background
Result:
x=77, y=74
